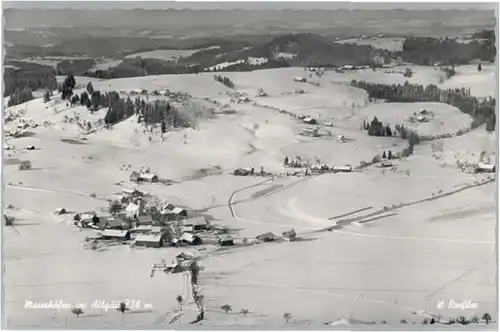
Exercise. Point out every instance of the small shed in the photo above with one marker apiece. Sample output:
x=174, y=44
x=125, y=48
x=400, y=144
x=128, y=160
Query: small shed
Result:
x=266, y=237
x=226, y=240
x=149, y=240
x=148, y=177
x=485, y=168
x=115, y=234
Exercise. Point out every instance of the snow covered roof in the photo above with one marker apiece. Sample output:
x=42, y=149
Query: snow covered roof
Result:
x=148, y=176
x=114, y=233
x=153, y=238
x=486, y=166
x=195, y=221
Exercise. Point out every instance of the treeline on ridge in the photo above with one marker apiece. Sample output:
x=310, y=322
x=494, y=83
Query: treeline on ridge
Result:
x=481, y=110
x=428, y=51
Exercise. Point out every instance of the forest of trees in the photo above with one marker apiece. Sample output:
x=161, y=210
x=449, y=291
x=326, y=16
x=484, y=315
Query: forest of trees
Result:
x=28, y=76
x=481, y=110
x=427, y=51
x=75, y=66
x=119, y=109
x=20, y=96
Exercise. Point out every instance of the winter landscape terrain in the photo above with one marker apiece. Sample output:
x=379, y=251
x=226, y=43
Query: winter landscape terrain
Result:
x=381, y=211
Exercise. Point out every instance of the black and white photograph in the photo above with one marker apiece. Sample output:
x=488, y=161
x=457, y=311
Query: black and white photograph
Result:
x=249, y=165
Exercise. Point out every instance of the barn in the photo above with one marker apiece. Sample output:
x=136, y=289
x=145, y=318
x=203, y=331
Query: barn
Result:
x=485, y=168
x=149, y=240
x=148, y=177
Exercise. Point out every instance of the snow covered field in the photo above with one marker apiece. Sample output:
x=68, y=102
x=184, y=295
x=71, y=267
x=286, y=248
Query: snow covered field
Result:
x=426, y=233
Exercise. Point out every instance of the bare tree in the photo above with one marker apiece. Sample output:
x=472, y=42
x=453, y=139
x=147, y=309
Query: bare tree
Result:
x=245, y=312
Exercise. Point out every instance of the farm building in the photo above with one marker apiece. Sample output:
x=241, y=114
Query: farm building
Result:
x=342, y=168
x=485, y=168
x=266, y=237
x=134, y=192
x=115, y=234
x=141, y=229
x=110, y=223
x=310, y=131
x=149, y=240
x=148, y=177
x=309, y=120
x=134, y=176
x=290, y=235
x=198, y=224
x=226, y=240
x=132, y=210
x=191, y=239
x=300, y=79
x=144, y=221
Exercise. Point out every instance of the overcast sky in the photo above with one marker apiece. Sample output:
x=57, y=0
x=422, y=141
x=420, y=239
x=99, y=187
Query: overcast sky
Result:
x=238, y=5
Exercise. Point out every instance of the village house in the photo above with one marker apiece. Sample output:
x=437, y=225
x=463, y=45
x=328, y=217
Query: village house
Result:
x=310, y=121
x=191, y=239
x=197, y=224
x=132, y=193
x=115, y=234
x=148, y=177
x=310, y=131
x=141, y=229
x=266, y=237
x=144, y=221
x=485, y=168
x=226, y=240
x=290, y=235
x=149, y=240
x=110, y=223
x=174, y=212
